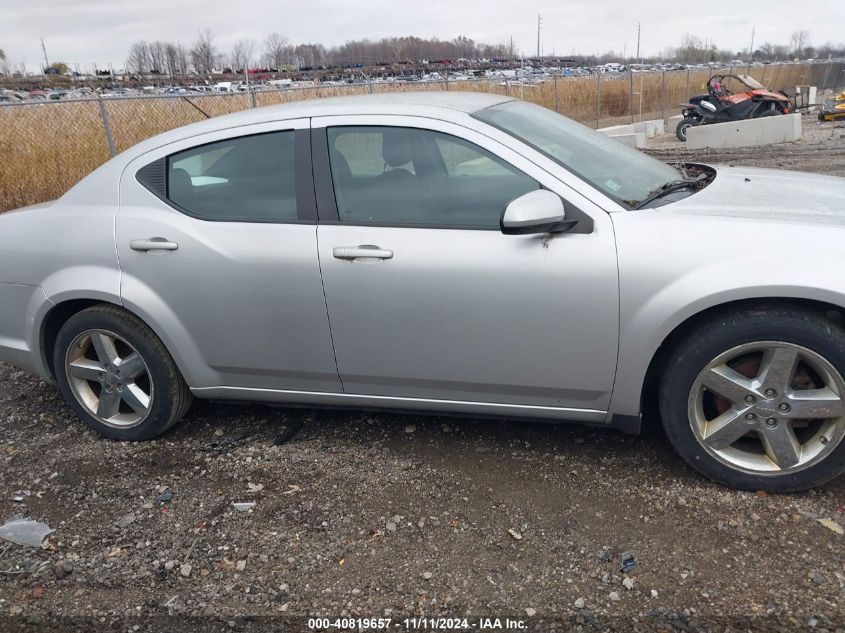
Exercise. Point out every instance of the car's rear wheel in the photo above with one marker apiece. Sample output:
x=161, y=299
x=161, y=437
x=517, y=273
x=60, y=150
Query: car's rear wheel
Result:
x=117, y=375
x=756, y=400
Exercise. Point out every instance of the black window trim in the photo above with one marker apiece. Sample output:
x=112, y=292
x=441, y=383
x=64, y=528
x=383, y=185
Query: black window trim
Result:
x=306, y=205
x=327, y=212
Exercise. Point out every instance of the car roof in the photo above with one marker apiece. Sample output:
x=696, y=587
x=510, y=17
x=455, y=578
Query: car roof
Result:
x=386, y=103
x=438, y=105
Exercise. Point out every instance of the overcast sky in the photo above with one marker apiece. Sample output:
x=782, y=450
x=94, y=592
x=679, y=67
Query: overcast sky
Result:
x=88, y=31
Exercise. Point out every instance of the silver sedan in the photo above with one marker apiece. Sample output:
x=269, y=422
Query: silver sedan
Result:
x=452, y=253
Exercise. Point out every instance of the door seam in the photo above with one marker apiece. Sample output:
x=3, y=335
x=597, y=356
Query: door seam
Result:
x=319, y=257
x=326, y=303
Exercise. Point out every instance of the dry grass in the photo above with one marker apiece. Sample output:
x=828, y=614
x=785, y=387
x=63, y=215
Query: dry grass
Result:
x=46, y=148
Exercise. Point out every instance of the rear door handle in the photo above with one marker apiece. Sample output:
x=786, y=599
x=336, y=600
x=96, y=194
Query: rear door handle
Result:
x=153, y=244
x=360, y=252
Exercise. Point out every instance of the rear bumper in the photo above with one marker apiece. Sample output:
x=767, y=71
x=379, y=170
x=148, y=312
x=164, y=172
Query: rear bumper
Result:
x=19, y=341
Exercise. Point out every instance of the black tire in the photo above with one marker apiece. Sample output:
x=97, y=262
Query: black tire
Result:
x=171, y=397
x=707, y=341
x=683, y=126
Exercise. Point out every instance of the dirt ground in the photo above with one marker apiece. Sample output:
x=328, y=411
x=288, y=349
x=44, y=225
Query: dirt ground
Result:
x=821, y=150
x=361, y=515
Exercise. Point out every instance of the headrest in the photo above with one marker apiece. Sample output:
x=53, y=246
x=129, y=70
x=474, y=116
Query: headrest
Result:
x=179, y=181
x=396, y=147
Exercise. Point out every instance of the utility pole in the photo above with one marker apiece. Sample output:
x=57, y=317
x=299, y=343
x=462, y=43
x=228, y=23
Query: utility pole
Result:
x=639, y=61
x=44, y=48
x=539, y=22
x=751, y=50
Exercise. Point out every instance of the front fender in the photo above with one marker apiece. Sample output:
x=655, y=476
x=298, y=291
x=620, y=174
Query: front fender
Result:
x=666, y=281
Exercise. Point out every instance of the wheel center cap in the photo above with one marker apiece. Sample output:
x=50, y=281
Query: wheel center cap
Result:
x=767, y=409
x=112, y=380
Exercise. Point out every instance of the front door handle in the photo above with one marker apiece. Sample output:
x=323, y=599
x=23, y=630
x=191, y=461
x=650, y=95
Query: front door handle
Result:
x=153, y=244
x=360, y=252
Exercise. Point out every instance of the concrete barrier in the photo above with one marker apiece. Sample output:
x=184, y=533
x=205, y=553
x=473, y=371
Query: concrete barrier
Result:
x=672, y=123
x=651, y=128
x=806, y=96
x=617, y=129
x=765, y=131
x=635, y=139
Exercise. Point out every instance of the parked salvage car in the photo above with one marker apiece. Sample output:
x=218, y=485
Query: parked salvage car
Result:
x=442, y=252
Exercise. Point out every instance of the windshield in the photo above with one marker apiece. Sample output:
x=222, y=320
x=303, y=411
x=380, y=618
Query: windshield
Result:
x=623, y=173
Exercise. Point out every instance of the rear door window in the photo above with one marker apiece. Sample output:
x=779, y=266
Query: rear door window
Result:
x=244, y=179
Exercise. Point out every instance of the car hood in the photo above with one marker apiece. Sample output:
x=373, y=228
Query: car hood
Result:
x=768, y=194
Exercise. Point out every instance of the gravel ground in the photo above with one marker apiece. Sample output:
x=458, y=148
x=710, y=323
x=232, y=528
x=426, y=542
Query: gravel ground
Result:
x=821, y=150
x=395, y=516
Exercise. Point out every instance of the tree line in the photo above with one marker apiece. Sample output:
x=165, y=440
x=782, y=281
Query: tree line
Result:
x=694, y=49
x=277, y=52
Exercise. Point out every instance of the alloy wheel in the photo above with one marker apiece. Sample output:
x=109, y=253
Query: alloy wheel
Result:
x=108, y=377
x=768, y=408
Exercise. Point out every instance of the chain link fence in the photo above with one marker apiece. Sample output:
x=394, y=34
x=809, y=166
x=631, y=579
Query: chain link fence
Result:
x=48, y=146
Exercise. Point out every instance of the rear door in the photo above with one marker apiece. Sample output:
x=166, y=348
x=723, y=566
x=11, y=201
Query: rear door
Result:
x=429, y=300
x=217, y=242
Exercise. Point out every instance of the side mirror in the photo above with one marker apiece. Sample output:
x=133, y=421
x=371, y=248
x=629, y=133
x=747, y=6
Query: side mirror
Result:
x=538, y=211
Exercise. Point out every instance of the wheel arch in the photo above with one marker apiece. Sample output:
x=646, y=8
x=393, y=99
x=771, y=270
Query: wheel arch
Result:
x=53, y=321
x=59, y=314
x=648, y=394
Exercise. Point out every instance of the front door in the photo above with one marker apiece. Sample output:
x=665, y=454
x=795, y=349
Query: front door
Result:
x=427, y=299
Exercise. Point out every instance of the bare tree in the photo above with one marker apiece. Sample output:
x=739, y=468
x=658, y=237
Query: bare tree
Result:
x=157, y=56
x=466, y=47
x=181, y=59
x=276, y=51
x=171, y=54
x=310, y=55
x=204, y=52
x=798, y=41
x=242, y=54
x=139, y=58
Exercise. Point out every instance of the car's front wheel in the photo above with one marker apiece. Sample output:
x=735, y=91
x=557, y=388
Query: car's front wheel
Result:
x=117, y=375
x=756, y=399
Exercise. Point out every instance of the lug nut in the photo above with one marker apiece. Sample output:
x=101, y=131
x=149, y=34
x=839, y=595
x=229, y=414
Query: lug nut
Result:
x=771, y=422
x=750, y=417
x=783, y=406
x=750, y=399
x=771, y=393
